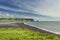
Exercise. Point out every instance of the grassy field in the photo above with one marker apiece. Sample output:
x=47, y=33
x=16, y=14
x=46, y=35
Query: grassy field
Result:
x=2, y=20
x=5, y=21
x=24, y=34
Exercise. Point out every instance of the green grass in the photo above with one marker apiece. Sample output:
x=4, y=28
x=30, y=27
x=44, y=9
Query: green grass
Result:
x=24, y=34
x=5, y=21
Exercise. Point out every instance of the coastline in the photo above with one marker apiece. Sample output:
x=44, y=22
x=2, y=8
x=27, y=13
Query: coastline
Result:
x=23, y=25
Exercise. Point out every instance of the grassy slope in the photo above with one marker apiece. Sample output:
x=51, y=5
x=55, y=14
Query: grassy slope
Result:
x=24, y=34
x=2, y=21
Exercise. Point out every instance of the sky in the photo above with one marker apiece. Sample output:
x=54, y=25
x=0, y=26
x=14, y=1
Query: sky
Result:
x=43, y=10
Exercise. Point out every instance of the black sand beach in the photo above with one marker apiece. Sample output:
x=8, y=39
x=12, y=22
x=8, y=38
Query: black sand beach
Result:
x=22, y=25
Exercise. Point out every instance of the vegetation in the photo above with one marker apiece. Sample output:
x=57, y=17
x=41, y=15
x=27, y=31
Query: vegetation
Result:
x=15, y=20
x=24, y=34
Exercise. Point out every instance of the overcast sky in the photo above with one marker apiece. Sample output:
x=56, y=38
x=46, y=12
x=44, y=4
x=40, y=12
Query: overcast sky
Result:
x=44, y=10
x=45, y=7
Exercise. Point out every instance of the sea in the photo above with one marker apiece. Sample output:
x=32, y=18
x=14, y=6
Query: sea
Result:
x=51, y=26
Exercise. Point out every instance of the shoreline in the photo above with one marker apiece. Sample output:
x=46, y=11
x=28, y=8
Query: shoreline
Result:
x=23, y=25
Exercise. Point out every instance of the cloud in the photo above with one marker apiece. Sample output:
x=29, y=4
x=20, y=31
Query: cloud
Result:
x=13, y=5
x=41, y=7
x=12, y=9
x=37, y=9
x=47, y=7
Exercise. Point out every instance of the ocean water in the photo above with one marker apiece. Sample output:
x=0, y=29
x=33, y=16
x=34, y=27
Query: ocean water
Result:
x=51, y=26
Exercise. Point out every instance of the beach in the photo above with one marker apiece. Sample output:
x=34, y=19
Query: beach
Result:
x=22, y=25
